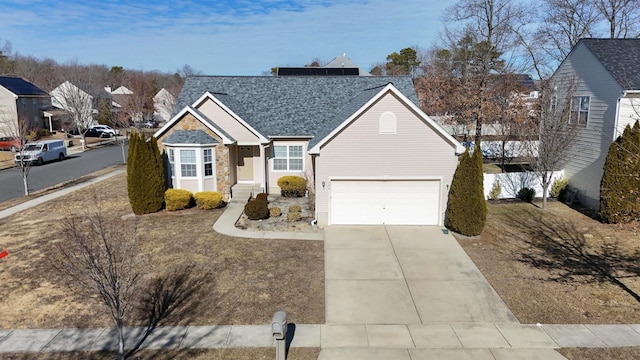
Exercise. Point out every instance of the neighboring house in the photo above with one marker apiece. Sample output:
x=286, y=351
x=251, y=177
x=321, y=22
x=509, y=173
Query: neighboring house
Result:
x=163, y=103
x=606, y=76
x=77, y=103
x=371, y=155
x=20, y=99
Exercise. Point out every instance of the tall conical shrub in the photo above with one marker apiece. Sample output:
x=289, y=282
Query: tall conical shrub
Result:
x=620, y=184
x=145, y=175
x=466, y=211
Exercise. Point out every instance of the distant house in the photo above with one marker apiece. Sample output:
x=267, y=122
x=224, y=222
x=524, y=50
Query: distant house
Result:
x=606, y=76
x=77, y=103
x=20, y=100
x=370, y=154
x=163, y=103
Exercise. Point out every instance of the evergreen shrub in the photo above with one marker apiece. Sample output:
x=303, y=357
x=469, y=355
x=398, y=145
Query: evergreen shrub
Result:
x=559, y=188
x=292, y=186
x=256, y=210
x=526, y=194
x=466, y=211
x=178, y=199
x=496, y=189
x=262, y=197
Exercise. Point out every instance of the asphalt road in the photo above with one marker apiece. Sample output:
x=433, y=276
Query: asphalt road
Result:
x=49, y=174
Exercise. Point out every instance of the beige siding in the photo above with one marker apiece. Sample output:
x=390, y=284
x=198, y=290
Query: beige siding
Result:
x=191, y=185
x=359, y=151
x=225, y=121
x=587, y=155
x=8, y=113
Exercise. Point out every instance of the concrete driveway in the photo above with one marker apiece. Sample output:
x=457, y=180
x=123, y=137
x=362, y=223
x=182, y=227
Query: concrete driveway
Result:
x=404, y=275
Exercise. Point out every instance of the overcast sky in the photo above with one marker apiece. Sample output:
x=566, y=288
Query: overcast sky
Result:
x=220, y=37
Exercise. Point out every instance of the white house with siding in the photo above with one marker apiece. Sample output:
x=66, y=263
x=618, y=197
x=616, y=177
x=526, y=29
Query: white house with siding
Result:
x=606, y=75
x=373, y=156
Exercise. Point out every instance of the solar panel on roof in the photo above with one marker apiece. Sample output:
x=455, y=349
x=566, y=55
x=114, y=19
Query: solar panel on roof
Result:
x=20, y=86
x=315, y=71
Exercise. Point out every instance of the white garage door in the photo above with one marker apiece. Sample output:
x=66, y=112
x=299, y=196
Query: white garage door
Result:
x=392, y=202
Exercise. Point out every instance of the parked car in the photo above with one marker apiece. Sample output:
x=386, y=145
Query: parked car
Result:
x=93, y=132
x=106, y=129
x=10, y=143
x=41, y=152
x=149, y=124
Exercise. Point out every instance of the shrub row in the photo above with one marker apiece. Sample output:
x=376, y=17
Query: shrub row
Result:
x=179, y=199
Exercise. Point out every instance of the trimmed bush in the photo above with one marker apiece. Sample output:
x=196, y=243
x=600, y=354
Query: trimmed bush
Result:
x=526, y=194
x=294, y=216
x=207, y=200
x=256, y=210
x=178, y=199
x=292, y=186
x=275, y=212
x=559, y=188
x=262, y=197
x=496, y=189
x=295, y=208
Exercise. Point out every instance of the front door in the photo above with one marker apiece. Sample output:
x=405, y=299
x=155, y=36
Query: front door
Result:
x=245, y=163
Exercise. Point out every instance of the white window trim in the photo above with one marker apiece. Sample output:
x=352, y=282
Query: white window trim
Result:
x=195, y=163
x=213, y=163
x=176, y=173
x=288, y=170
x=579, y=111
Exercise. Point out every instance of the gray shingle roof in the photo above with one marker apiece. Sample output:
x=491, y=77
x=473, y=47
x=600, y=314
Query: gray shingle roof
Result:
x=290, y=106
x=621, y=58
x=195, y=137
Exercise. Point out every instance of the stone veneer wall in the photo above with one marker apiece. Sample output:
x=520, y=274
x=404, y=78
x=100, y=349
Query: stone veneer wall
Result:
x=223, y=179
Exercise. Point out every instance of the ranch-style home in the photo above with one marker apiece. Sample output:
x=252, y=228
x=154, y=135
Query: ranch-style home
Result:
x=370, y=154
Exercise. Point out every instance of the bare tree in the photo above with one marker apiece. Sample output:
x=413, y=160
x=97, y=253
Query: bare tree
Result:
x=555, y=133
x=622, y=16
x=15, y=127
x=492, y=25
x=100, y=256
x=6, y=64
x=77, y=103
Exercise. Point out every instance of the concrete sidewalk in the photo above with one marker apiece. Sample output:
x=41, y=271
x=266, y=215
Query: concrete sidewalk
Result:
x=450, y=341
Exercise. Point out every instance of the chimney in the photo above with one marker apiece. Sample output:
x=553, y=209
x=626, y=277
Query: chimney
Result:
x=107, y=89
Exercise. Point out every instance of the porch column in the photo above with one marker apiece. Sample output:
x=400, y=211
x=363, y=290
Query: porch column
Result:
x=263, y=165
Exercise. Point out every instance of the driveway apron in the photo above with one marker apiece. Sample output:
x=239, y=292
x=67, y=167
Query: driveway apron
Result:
x=404, y=275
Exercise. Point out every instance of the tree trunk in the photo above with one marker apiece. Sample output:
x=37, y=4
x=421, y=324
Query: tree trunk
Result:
x=26, y=185
x=119, y=328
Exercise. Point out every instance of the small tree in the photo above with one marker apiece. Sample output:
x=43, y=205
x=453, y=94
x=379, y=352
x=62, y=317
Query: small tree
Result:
x=100, y=256
x=466, y=207
x=12, y=126
x=555, y=131
x=620, y=184
x=145, y=175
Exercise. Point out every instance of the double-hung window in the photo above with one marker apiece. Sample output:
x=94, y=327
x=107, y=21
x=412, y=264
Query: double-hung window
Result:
x=288, y=158
x=208, y=162
x=579, y=110
x=188, y=163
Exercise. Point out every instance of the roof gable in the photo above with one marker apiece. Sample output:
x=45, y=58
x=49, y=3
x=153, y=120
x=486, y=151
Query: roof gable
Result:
x=21, y=87
x=226, y=139
x=620, y=57
x=352, y=111
x=286, y=106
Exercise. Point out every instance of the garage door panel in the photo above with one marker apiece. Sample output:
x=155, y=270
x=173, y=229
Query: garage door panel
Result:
x=385, y=202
